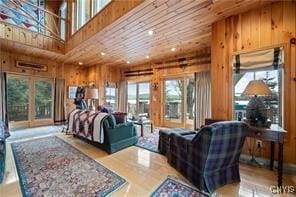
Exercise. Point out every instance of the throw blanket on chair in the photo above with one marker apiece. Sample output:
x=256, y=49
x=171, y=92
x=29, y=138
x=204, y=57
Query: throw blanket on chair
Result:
x=98, y=130
x=71, y=119
x=87, y=124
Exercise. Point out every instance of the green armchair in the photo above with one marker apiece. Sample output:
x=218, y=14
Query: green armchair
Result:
x=117, y=136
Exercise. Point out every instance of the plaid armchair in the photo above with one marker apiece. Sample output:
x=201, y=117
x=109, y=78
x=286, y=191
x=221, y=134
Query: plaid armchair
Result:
x=210, y=158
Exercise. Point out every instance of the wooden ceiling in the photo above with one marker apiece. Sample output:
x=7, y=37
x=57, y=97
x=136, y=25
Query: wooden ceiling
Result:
x=181, y=24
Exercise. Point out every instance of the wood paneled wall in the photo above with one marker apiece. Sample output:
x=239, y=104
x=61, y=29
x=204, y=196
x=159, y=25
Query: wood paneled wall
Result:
x=8, y=61
x=269, y=26
x=163, y=70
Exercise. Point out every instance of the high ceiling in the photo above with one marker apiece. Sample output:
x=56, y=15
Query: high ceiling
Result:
x=181, y=24
x=184, y=25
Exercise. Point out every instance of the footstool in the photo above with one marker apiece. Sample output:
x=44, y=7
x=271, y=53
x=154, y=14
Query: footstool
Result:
x=164, y=138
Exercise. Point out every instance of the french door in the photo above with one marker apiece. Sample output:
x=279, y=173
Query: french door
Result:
x=179, y=102
x=138, y=101
x=29, y=101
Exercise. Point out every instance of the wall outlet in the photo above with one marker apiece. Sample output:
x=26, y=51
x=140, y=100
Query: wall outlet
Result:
x=259, y=143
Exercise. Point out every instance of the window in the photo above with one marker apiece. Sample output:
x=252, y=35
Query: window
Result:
x=97, y=5
x=63, y=14
x=111, y=96
x=262, y=65
x=273, y=103
x=84, y=10
x=138, y=101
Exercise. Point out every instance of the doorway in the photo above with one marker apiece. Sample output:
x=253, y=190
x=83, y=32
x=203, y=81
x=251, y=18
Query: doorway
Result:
x=138, y=99
x=29, y=101
x=179, y=102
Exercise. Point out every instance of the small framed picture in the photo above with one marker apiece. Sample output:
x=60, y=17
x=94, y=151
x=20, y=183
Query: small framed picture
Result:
x=72, y=92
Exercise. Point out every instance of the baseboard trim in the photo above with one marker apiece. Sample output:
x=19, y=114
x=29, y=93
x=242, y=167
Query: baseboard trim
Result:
x=288, y=168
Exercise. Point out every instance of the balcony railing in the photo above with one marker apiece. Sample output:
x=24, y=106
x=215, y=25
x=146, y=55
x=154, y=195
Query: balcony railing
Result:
x=33, y=16
x=21, y=112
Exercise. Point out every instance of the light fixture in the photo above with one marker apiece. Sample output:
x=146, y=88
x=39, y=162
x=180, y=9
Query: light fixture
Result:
x=173, y=49
x=147, y=57
x=128, y=62
x=150, y=32
x=102, y=53
x=80, y=63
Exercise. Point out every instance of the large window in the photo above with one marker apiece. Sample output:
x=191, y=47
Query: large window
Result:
x=63, y=14
x=179, y=102
x=83, y=10
x=138, y=99
x=273, y=103
x=111, y=96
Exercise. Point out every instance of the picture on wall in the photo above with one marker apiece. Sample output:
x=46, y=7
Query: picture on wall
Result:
x=72, y=92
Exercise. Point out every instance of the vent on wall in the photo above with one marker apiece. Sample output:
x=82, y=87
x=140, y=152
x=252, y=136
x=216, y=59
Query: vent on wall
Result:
x=31, y=66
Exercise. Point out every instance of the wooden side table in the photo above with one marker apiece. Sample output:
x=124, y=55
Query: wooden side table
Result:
x=274, y=134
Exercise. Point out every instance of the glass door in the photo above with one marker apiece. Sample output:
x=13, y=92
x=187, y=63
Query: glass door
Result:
x=173, y=103
x=179, y=102
x=138, y=101
x=18, y=99
x=29, y=101
x=43, y=102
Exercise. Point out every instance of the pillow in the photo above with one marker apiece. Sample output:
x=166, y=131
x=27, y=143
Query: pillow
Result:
x=112, y=121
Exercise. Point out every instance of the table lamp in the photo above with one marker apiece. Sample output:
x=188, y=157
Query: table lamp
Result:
x=92, y=94
x=256, y=113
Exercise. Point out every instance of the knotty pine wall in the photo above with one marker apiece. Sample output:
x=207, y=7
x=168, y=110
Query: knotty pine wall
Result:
x=8, y=61
x=269, y=26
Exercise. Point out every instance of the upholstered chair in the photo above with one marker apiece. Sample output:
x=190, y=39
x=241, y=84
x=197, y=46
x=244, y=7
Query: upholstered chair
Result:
x=210, y=158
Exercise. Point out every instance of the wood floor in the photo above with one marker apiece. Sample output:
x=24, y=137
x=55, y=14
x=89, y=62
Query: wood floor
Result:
x=145, y=170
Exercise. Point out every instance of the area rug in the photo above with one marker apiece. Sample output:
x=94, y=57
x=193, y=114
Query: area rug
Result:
x=173, y=187
x=149, y=141
x=50, y=166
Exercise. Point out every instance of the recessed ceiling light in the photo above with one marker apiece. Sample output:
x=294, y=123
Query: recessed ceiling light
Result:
x=102, y=53
x=147, y=57
x=80, y=63
x=173, y=49
x=150, y=32
x=128, y=62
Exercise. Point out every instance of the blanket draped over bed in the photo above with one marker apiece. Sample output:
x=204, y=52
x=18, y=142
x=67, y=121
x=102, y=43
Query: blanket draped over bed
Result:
x=87, y=124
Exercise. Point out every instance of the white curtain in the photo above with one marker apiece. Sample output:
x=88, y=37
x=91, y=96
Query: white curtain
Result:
x=122, y=96
x=203, y=98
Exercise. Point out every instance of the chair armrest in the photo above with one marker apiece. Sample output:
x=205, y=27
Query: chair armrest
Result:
x=126, y=124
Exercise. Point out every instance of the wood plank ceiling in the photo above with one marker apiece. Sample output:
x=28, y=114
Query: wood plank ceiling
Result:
x=181, y=24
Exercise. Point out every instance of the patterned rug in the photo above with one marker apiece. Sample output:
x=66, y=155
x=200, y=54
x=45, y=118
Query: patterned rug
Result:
x=172, y=187
x=149, y=141
x=51, y=167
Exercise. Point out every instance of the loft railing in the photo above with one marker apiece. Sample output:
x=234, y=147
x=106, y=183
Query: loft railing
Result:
x=33, y=16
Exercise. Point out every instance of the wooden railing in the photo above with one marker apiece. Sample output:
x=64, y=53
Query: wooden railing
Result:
x=21, y=112
x=47, y=22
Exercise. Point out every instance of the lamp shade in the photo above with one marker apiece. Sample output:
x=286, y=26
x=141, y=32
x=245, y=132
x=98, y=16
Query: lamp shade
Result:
x=91, y=93
x=257, y=87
